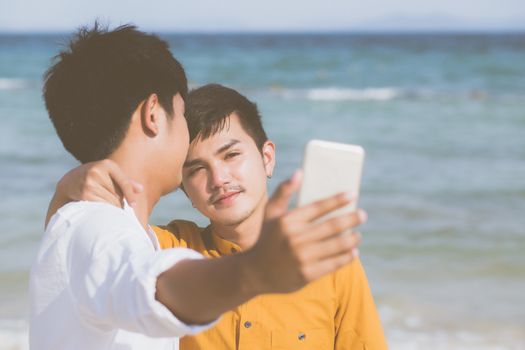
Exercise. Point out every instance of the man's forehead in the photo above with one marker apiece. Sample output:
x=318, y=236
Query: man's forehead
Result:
x=230, y=128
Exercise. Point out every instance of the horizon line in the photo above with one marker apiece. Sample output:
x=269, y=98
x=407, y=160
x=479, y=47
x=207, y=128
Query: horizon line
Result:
x=392, y=31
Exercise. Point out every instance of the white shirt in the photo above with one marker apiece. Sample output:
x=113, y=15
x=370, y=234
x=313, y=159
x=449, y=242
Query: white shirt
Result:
x=93, y=283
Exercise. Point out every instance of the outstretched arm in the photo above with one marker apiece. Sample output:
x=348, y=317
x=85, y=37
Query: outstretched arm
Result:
x=294, y=248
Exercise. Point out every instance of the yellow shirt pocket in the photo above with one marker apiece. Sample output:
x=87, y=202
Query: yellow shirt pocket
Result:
x=317, y=339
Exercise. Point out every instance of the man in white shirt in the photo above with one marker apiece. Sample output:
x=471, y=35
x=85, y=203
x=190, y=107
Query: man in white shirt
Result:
x=99, y=280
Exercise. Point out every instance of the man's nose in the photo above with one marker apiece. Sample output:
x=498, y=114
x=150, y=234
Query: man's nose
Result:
x=218, y=177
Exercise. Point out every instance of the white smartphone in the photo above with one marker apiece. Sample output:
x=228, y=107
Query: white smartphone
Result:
x=330, y=168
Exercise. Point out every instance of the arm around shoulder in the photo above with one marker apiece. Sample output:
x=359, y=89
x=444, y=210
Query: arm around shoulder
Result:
x=113, y=273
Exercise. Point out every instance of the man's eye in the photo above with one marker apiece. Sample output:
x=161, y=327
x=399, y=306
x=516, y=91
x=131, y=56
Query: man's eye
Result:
x=232, y=155
x=194, y=171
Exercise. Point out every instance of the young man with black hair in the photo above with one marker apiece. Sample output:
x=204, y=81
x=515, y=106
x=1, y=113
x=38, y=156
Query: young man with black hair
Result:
x=99, y=280
x=224, y=175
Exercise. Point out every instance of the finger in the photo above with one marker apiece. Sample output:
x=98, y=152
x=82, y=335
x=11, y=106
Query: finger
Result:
x=72, y=184
x=111, y=177
x=128, y=188
x=280, y=200
x=326, y=266
x=104, y=199
x=344, y=243
x=95, y=191
x=98, y=175
x=111, y=198
x=316, y=210
x=99, y=184
x=331, y=227
x=137, y=189
x=137, y=186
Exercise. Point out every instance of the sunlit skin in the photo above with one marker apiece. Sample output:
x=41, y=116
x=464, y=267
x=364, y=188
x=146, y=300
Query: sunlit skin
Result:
x=225, y=178
x=178, y=133
x=154, y=138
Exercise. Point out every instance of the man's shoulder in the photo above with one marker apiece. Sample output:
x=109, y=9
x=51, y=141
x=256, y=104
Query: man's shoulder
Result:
x=93, y=213
x=353, y=269
x=185, y=225
x=179, y=233
x=180, y=228
x=351, y=277
x=81, y=233
x=348, y=277
x=93, y=225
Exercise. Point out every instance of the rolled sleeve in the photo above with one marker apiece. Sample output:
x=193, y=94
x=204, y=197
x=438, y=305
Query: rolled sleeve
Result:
x=167, y=259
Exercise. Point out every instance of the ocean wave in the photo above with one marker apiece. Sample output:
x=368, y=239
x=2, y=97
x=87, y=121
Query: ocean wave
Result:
x=14, y=335
x=409, y=330
x=341, y=94
x=385, y=93
x=367, y=94
x=436, y=340
x=14, y=84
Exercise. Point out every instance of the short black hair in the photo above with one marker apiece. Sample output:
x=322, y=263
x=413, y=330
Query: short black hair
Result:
x=100, y=79
x=208, y=109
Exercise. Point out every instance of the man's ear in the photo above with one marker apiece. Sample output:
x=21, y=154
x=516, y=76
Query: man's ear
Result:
x=268, y=154
x=150, y=115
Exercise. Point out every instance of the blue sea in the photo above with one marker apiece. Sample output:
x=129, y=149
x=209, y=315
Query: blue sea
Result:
x=442, y=120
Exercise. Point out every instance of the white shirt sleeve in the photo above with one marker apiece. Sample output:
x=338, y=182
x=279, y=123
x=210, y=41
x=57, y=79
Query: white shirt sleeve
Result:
x=112, y=276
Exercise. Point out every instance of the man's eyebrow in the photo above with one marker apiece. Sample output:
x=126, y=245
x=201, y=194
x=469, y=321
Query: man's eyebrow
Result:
x=188, y=164
x=227, y=146
x=223, y=148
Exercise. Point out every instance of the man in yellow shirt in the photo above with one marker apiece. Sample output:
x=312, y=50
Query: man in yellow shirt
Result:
x=224, y=175
x=229, y=160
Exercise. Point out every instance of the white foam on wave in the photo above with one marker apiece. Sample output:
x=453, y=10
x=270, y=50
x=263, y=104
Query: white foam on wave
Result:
x=13, y=84
x=439, y=339
x=405, y=330
x=366, y=94
x=342, y=94
x=386, y=93
x=14, y=335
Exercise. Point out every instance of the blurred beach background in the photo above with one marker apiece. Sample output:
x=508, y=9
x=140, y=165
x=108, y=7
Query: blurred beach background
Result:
x=441, y=115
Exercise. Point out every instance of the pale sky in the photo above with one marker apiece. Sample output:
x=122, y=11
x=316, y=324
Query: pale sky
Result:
x=265, y=15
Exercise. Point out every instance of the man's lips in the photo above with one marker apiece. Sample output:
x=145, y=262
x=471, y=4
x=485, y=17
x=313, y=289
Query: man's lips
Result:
x=225, y=197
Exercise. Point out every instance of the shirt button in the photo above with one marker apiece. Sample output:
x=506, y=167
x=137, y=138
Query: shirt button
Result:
x=247, y=324
x=301, y=336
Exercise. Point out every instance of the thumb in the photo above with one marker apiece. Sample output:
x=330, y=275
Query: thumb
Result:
x=128, y=188
x=137, y=186
x=133, y=194
x=278, y=203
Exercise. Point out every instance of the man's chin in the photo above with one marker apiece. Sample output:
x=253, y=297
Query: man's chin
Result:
x=230, y=218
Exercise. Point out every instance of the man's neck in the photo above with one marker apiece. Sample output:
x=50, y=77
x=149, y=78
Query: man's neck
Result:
x=145, y=201
x=245, y=233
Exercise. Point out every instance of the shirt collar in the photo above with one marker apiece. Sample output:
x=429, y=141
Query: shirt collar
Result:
x=149, y=232
x=224, y=246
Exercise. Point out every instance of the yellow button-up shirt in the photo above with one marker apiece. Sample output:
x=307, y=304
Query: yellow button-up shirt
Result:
x=335, y=312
